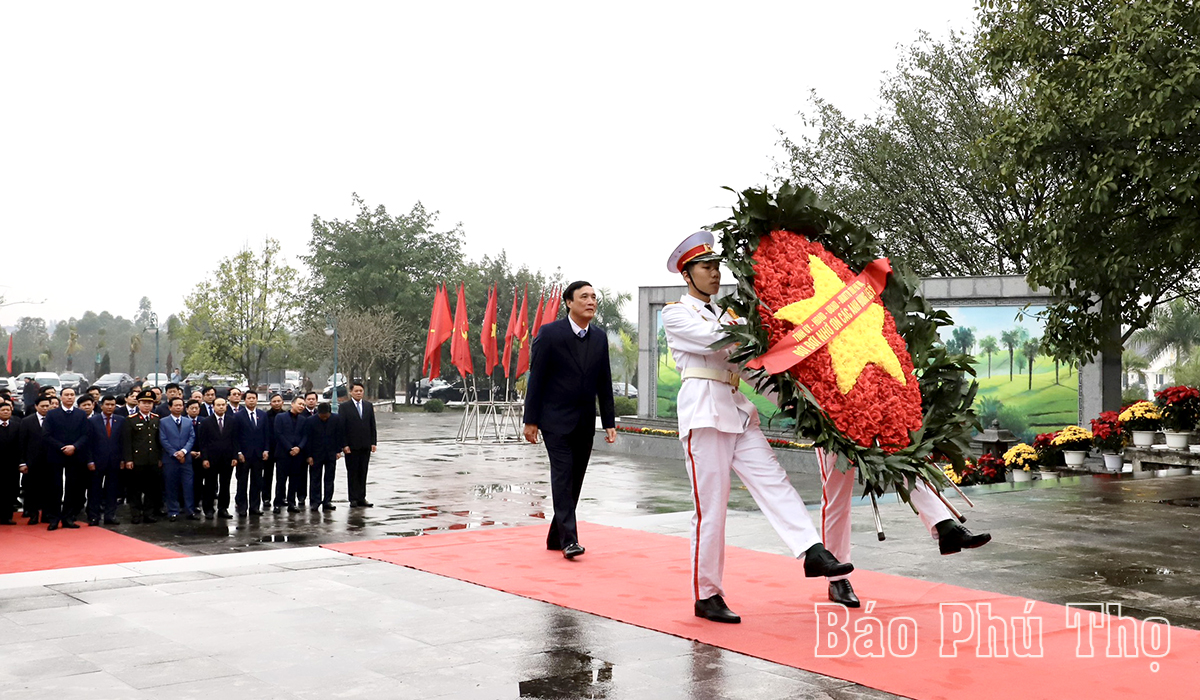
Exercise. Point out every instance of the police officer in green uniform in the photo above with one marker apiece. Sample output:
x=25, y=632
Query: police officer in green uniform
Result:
x=143, y=457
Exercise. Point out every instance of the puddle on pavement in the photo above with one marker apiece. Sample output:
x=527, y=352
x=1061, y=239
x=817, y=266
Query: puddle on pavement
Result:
x=1193, y=502
x=283, y=538
x=1142, y=577
x=575, y=675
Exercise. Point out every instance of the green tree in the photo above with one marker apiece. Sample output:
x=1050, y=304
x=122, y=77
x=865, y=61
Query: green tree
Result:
x=1012, y=339
x=240, y=315
x=1173, y=326
x=609, y=314
x=964, y=339
x=914, y=171
x=1133, y=362
x=145, y=308
x=378, y=260
x=1107, y=107
x=135, y=346
x=625, y=355
x=73, y=347
x=989, y=346
x=1030, y=349
x=105, y=364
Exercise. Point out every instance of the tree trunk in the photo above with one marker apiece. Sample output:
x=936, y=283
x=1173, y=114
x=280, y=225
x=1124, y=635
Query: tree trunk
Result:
x=989, y=365
x=132, y=363
x=1010, y=365
x=1031, y=374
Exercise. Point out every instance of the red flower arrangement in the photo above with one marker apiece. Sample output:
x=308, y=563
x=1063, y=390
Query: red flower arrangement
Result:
x=878, y=408
x=1180, y=407
x=1049, y=454
x=1107, y=433
x=988, y=469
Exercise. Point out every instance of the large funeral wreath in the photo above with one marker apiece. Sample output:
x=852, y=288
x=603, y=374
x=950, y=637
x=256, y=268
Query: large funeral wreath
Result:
x=893, y=435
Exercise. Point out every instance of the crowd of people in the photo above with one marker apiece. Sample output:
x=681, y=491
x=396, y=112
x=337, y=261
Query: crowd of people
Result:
x=166, y=455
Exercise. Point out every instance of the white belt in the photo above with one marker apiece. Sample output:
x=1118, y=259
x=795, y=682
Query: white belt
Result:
x=716, y=375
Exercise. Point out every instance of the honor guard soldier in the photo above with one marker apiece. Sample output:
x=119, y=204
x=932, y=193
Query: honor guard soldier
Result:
x=719, y=428
x=143, y=457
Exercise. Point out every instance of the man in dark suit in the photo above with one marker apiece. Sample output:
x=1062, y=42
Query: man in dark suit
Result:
x=163, y=409
x=568, y=372
x=10, y=462
x=218, y=438
x=291, y=437
x=177, y=434
x=104, y=462
x=269, y=467
x=254, y=435
x=326, y=440
x=208, y=396
x=143, y=460
x=33, y=462
x=131, y=404
x=358, y=420
x=65, y=434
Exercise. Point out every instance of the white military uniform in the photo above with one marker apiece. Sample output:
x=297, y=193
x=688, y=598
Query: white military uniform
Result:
x=719, y=428
x=837, y=488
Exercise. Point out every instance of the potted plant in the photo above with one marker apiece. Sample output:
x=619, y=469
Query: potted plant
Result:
x=1020, y=460
x=1180, y=409
x=1049, y=454
x=1074, y=443
x=1141, y=420
x=1109, y=438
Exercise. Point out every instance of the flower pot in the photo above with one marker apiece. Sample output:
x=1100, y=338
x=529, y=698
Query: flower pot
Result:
x=1177, y=441
x=1045, y=474
x=1074, y=458
x=1020, y=475
x=1113, y=462
x=1143, y=438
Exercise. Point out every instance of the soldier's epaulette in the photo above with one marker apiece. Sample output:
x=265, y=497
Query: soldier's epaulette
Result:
x=732, y=313
x=672, y=303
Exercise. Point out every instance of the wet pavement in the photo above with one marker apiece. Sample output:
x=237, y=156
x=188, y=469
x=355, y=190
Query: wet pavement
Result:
x=268, y=615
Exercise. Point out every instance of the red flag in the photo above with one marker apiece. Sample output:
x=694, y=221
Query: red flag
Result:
x=439, y=330
x=552, y=304
x=460, y=348
x=487, y=335
x=8, y=361
x=510, y=333
x=537, y=317
x=523, y=335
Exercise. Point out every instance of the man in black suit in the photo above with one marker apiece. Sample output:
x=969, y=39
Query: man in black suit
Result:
x=10, y=462
x=218, y=438
x=568, y=372
x=254, y=443
x=33, y=459
x=269, y=467
x=326, y=440
x=291, y=439
x=104, y=462
x=65, y=434
x=143, y=460
x=358, y=420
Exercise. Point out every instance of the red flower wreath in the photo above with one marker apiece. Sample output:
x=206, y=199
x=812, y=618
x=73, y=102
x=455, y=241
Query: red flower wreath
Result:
x=877, y=407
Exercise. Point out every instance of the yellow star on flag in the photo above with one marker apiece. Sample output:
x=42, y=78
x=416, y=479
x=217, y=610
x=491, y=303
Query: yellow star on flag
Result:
x=860, y=343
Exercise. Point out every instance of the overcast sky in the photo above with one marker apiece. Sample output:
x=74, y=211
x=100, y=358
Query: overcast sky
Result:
x=140, y=143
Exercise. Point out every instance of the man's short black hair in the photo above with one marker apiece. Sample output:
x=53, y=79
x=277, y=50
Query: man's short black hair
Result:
x=357, y=383
x=86, y=398
x=172, y=385
x=311, y=393
x=324, y=408
x=191, y=402
x=171, y=402
x=569, y=292
x=132, y=392
x=108, y=397
x=248, y=392
x=207, y=389
x=41, y=398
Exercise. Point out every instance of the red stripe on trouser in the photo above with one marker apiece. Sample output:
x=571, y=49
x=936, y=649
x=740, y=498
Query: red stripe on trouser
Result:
x=699, y=522
x=824, y=495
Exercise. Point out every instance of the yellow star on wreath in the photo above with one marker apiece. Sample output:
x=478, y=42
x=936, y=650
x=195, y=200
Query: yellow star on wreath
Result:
x=860, y=343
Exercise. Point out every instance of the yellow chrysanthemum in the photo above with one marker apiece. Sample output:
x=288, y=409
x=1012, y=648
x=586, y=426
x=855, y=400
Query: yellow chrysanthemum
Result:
x=1141, y=409
x=1020, y=456
x=1071, y=435
x=952, y=475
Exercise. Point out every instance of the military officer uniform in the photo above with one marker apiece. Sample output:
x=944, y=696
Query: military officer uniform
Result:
x=143, y=449
x=719, y=428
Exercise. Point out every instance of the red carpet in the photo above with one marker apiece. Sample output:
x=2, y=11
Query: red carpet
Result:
x=25, y=548
x=644, y=579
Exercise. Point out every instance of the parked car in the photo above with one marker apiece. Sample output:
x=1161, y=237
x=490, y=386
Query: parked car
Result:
x=454, y=392
x=74, y=380
x=159, y=379
x=285, y=391
x=47, y=380
x=343, y=392
x=116, y=383
x=16, y=393
x=425, y=386
x=619, y=389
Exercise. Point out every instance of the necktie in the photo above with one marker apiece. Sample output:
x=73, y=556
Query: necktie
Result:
x=108, y=426
x=254, y=418
x=4, y=424
x=582, y=333
x=359, y=404
x=179, y=423
x=220, y=423
x=713, y=309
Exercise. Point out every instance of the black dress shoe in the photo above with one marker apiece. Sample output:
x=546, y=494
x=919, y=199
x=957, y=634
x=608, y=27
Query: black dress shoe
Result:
x=93, y=522
x=8, y=522
x=328, y=507
x=224, y=514
x=209, y=515
x=172, y=518
x=316, y=507
x=255, y=513
x=818, y=561
x=954, y=538
x=573, y=550
x=33, y=521
x=193, y=516
x=366, y=504
x=842, y=592
x=714, y=609
x=275, y=510
x=112, y=521
x=52, y=526
x=70, y=524
x=292, y=509
x=160, y=513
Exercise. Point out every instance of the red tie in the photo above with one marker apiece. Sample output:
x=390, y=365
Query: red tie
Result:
x=108, y=426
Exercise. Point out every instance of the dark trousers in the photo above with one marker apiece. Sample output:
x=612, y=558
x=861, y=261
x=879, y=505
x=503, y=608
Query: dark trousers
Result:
x=356, y=474
x=321, y=475
x=66, y=489
x=32, y=489
x=181, y=487
x=268, y=471
x=249, y=485
x=291, y=480
x=142, y=489
x=206, y=485
x=10, y=484
x=102, y=491
x=569, y=454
